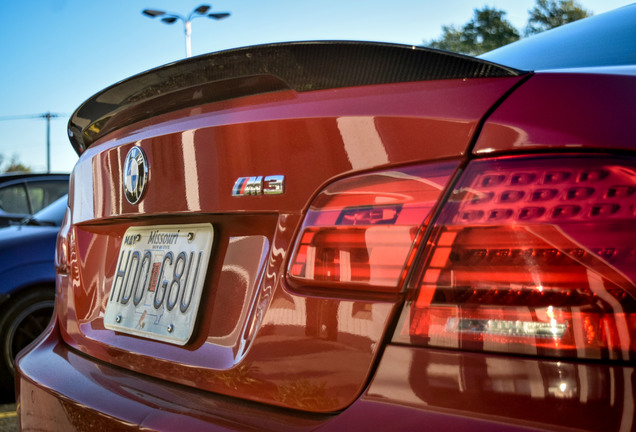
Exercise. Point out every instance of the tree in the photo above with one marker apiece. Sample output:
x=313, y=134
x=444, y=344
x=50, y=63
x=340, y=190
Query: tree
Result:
x=487, y=30
x=14, y=166
x=548, y=14
x=452, y=40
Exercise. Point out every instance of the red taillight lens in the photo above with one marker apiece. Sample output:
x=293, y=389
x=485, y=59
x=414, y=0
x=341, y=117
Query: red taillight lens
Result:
x=533, y=256
x=359, y=232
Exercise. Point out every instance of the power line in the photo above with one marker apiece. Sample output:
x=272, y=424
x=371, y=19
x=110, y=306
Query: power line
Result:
x=46, y=116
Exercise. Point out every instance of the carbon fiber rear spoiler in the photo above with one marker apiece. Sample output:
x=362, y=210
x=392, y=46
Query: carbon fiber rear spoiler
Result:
x=299, y=66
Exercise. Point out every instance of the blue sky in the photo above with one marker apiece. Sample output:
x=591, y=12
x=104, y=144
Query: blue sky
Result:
x=57, y=53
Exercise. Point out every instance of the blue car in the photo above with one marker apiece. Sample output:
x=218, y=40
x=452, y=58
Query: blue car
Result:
x=23, y=194
x=27, y=291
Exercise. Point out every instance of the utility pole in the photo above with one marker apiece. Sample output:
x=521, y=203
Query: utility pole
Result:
x=47, y=116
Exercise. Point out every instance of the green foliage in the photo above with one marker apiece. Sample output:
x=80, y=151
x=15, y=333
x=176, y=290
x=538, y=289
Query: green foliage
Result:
x=548, y=14
x=453, y=39
x=17, y=167
x=489, y=29
x=13, y=166
x=486, y=31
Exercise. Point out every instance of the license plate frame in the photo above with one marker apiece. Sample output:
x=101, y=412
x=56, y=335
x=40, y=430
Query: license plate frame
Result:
x=158, y=281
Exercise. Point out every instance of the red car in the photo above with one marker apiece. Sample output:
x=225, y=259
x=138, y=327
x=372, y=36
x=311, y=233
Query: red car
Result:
x=352, y=236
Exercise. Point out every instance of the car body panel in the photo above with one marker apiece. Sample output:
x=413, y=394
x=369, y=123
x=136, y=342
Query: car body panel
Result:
x=445, y=390
x=601, y=40
x=115, y=399
x=551, y=111
x=540, y=394
x=271, y=351
x=299, y=340
x=337, y=131
x=26, y=256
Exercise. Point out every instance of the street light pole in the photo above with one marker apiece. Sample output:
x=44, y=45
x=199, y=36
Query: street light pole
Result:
x=188, y=34
x=171, y=18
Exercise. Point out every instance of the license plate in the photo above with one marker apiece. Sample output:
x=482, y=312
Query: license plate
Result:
x=158, y=281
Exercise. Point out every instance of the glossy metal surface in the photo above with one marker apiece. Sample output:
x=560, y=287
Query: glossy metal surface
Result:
x=413, y=388
x=256, y=339
x=267, y=355
x=113, y=399
x=565, y=111
x=605, y=39
x=26, y=257
x=520, y=392
x=259, y=344
x=196, y=155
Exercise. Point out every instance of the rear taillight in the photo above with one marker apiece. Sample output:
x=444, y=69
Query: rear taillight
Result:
x=533, y=256
x=359, y=232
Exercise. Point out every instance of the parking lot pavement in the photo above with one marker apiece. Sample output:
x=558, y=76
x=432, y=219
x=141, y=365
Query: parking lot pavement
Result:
x=8, y=418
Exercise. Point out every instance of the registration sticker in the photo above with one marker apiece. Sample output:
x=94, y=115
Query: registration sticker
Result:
x=158, y=281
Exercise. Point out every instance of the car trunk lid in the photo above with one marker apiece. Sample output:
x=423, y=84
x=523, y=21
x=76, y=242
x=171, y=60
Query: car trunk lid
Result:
x=249, y=143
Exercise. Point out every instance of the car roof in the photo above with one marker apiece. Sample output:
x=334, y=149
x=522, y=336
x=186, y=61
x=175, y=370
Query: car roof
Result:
x=604, y=40
x=11, y=177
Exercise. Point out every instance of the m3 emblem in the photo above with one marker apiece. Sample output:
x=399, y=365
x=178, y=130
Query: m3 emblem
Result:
x=259, y=185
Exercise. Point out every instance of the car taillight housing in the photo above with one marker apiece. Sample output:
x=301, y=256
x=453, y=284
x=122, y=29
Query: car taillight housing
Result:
x=534, y=256
x=359, y=233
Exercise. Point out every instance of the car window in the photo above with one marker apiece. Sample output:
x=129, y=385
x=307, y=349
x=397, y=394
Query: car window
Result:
x=53, y=213
x=13, y=199
x=43, y=193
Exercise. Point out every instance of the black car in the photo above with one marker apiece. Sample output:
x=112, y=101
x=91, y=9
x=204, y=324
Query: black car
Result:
x=27, y=291
x=23, y=194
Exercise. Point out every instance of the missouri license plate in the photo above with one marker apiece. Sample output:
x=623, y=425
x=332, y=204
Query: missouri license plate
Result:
x=158, y=281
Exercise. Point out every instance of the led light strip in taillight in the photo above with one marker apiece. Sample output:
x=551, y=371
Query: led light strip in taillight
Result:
x=359, y=232
x=533, y=255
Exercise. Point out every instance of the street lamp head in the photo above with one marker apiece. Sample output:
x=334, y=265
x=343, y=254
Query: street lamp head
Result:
x=152, y=13
x=202, y=9
x=171, y=18
x=219, y=16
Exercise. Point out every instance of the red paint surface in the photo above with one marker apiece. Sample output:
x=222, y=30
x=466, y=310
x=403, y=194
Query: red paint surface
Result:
x=564, y=111
x=301, y=352
x=313, y=354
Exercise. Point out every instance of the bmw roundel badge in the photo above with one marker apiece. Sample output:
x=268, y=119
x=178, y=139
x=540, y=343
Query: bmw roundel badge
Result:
x=135, y=175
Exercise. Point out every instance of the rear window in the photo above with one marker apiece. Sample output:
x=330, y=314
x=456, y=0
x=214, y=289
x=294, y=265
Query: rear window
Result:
x=604, y=40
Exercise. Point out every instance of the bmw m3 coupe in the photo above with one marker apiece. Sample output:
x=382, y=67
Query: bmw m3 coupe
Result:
x=352, y=236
